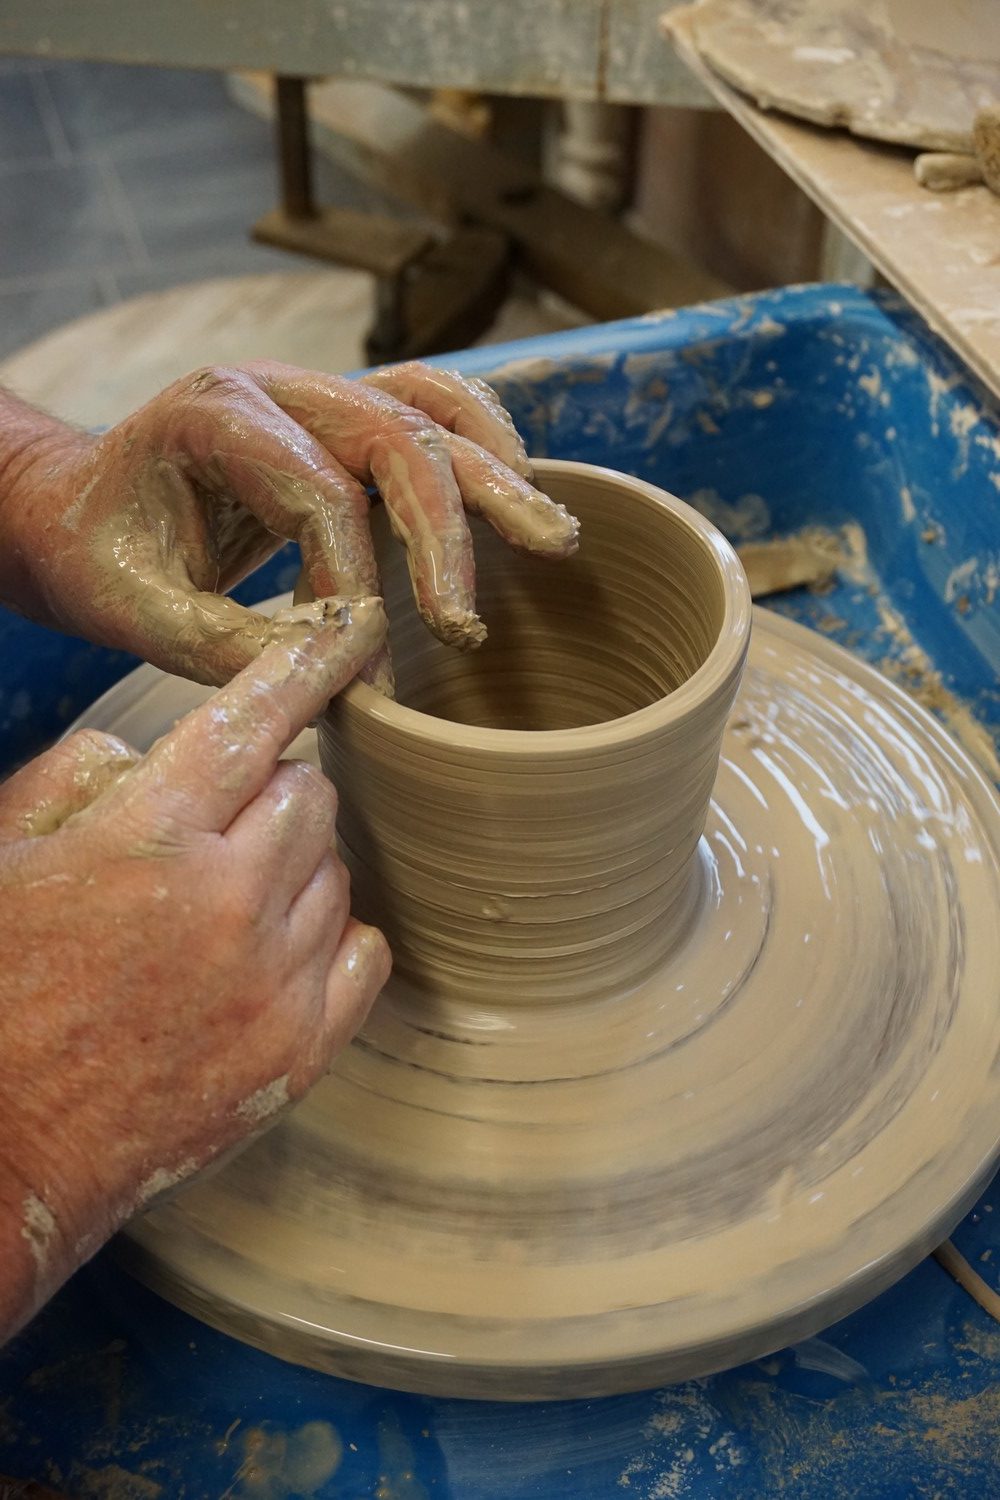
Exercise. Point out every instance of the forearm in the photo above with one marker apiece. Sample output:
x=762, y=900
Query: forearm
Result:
x=60, y=1198
x=36, y=1253
x=34, y=447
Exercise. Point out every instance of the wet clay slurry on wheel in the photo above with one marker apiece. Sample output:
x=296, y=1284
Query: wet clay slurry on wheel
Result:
x=520, y=1181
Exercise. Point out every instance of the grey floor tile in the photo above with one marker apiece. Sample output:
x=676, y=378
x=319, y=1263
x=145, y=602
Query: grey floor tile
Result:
x=124, y=213
x=58, y=217
x=26, y=315
x=23, y=136
x=11, y=64
x=157, y=179
x=190, y=201
x=187, y=201
x=123, y=110
x=58, y=138
x=234, y=258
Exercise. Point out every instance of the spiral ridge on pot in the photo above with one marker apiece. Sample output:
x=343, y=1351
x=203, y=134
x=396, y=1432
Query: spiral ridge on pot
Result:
x=523, y=821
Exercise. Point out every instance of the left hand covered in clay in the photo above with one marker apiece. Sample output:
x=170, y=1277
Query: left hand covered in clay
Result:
x=131, y=538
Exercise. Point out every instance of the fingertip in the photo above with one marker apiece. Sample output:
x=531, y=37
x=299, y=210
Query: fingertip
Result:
x=527, y=519
x=93, y=750
x=332, y=638
x=460, y=628
x=316, y=621
x=360, y=969
x=562, y=538
x=71, y=775
x=377, y=955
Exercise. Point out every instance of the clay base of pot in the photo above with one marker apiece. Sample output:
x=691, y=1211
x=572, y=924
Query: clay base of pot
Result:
x=576, y=1200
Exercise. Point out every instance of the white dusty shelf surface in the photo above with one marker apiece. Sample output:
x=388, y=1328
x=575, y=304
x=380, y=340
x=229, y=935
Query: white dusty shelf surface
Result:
x=940, y=250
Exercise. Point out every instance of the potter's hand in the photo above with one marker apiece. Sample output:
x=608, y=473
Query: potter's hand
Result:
x=179, y=960
x=128, y=538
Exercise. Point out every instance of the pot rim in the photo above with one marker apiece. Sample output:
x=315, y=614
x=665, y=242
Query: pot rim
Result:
x=716, y=672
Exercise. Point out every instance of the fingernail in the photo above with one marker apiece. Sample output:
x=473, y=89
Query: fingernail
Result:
x=368, y=961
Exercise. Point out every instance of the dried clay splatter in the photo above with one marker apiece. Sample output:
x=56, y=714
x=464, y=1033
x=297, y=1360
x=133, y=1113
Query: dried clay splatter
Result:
x=279, y=1464
x=787, y=562
x=38, y=1227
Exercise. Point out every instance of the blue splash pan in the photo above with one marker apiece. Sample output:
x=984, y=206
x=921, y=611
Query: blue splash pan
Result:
x=815, y=407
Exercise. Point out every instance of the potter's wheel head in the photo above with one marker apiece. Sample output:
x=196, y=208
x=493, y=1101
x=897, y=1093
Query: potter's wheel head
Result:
x=764, y=1134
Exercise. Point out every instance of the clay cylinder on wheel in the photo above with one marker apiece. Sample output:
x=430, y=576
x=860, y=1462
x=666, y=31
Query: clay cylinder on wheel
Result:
x=523, y=820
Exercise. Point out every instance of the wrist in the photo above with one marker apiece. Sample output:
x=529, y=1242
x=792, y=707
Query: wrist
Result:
x=35, y=1254
x=37, y=452
x=27, y=436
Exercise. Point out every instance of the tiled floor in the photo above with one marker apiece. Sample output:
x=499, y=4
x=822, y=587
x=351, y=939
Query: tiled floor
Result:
x=118, y=180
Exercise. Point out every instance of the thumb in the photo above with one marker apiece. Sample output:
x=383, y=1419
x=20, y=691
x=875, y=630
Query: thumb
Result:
x=40, y=797
x=203, y=636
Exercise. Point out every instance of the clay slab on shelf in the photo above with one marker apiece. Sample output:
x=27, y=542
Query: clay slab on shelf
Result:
x=904, y=71
x=939, y=251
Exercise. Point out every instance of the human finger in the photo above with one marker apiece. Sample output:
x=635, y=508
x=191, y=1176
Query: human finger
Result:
x=190, y=632
x=522, y=515
x=223, y=753
x=239, y=442
x=317, y=917
x=426, y=514
x=280, y=838
x=71, y=775
x=405, y=454
x=468, y=407
x=360, y=968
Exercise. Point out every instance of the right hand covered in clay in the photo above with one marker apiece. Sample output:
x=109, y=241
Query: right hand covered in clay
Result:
x=179, y=958
x=131, y=538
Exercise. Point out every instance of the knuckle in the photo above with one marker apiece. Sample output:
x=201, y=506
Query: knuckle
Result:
x=335, y=886
x=336, y=877
x=311, y=786
x=414, y=369
x=96, y=744
x=265, y=724
x=215, y=380
x=402, y=421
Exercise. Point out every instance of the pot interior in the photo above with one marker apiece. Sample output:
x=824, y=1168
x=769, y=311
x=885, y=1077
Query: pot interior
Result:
x=614, y=629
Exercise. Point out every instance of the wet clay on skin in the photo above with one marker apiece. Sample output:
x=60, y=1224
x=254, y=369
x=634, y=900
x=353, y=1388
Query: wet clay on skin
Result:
x=133, y=537
x=683, y=1057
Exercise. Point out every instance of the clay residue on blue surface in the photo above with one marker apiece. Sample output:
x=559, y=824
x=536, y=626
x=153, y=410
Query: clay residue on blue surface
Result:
x=810, y=407
x=113, y=1387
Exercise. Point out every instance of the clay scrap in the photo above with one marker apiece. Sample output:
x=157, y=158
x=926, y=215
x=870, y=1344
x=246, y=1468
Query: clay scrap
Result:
x=944, y=171
x=808, y=559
